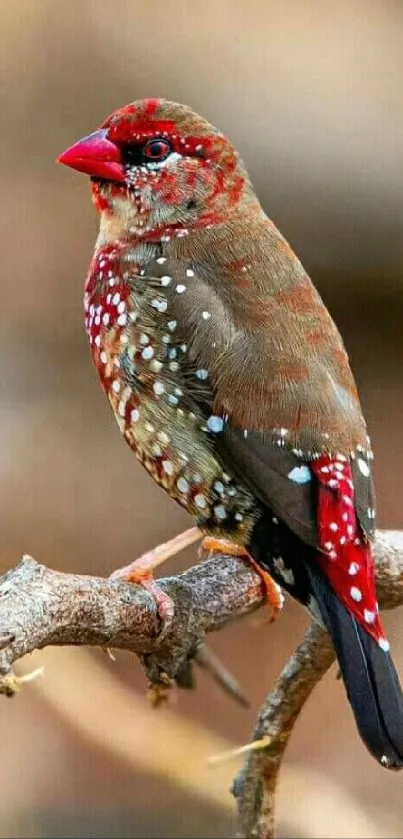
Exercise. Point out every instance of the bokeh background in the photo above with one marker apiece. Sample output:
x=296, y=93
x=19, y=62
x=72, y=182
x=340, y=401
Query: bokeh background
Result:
x=311, y=92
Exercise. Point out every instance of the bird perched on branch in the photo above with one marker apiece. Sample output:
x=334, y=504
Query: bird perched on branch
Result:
x=231, y=384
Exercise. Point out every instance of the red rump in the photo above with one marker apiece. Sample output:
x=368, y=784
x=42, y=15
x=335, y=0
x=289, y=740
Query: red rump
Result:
x=346, y=556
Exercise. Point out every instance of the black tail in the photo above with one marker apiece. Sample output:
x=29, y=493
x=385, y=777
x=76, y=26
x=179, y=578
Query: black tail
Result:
x=369, y=675
x=368, y=671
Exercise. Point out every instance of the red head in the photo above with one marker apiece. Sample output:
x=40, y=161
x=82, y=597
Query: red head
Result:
x=158, y=167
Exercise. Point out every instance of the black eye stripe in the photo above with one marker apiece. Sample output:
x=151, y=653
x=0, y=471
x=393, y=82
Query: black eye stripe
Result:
x=132, y=154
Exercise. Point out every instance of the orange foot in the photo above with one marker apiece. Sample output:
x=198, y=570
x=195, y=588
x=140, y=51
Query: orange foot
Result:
x=273, y=591
x=141, y=572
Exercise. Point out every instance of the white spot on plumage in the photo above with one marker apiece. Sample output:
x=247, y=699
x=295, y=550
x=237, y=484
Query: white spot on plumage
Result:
x=206, y=315
x=200, y=501
x=369, y=616
x=122, y=320
x=353, y=569
x=159, y=388
x=190, y=272
x=180, y=288
x=147, y=353
x=134, y=415
x=168, y=467
x=384, y=644
x=202, y=374
x=356, y=594
x=116, y=299
x=165, y=280
x=161, y=260
x=300, y=474
x=219, y=487
x=220, y=512
x=333, y=526
x=215, y=424
x=121, y=306
x=116, y=385
x=183, y=485
x=160, y=305
x=172, y=324
x=103, y=356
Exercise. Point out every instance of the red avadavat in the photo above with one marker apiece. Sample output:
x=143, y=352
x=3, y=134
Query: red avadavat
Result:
x=231, y=384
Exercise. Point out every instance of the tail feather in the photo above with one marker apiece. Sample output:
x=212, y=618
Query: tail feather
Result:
x=369, y=675
x=367, y=668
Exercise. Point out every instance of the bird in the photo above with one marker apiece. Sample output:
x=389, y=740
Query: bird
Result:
x=231, y=384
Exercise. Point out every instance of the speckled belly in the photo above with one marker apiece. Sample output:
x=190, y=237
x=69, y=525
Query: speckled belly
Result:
x=139, y=366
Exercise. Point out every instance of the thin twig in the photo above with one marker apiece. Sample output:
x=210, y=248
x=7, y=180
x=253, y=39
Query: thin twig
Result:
x=206, y=659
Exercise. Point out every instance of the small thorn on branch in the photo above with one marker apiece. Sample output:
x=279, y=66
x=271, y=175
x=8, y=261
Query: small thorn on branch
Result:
x=108, y=652
x=254, y=746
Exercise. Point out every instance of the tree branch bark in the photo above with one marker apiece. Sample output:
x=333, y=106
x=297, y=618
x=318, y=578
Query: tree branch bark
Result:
x=41, y=607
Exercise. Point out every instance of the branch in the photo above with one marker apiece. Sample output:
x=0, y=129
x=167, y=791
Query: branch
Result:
x=41, y=607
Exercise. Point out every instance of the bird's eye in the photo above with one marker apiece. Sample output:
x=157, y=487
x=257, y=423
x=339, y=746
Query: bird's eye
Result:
x=156, y=150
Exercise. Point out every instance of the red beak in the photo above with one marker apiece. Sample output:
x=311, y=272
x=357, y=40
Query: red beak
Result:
x=96, y=156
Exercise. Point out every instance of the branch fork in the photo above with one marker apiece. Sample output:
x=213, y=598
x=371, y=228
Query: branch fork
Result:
x=41, y=607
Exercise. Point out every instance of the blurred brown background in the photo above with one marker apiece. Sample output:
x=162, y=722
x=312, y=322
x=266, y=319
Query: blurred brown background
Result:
x=311, y=94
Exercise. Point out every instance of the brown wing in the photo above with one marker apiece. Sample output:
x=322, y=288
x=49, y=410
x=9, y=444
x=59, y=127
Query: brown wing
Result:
x=229, y=371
